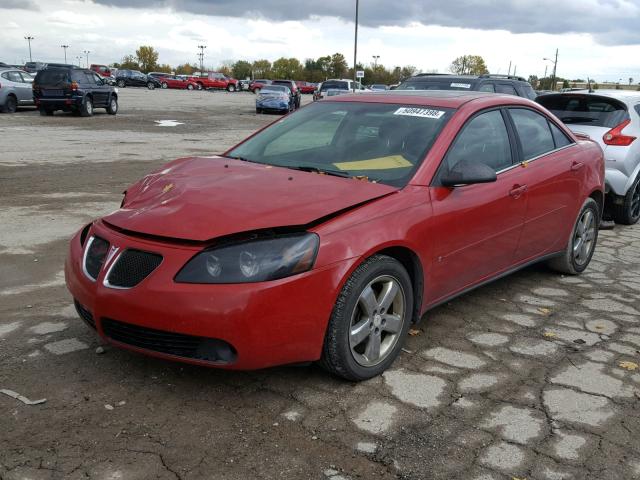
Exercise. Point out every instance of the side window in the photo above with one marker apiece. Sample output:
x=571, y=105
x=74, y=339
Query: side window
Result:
x=15, y=77
x=506, y=88
x=78, y=76
x=559, y=137
x=26, y=78
x=533, y=130
x=487, y=87
x=5, y=75
x=484, y=140
x=96, y=79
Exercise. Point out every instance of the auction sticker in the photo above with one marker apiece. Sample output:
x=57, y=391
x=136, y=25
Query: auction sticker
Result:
x=461, y=85
x=419, y=112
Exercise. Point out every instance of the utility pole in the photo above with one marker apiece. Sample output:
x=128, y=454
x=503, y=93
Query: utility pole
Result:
x=515, y=67
x=555, y=66
x=201, y=55
x=355, y=49
x=87, y=52
x=509, y=71
x=65, y=52
x=28, y=38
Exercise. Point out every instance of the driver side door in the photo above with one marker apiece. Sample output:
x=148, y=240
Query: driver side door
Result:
x=476, y=228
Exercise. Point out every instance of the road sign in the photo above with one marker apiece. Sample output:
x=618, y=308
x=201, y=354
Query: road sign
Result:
x=359, y=73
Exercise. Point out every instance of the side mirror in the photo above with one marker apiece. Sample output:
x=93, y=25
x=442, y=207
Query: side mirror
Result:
x=468, y=173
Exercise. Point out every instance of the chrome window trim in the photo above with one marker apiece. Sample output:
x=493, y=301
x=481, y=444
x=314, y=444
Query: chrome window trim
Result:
x=535, y=158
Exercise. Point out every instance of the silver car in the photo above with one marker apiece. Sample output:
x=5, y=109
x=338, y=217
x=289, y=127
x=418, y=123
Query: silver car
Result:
x=612, y=118
x=15, y=89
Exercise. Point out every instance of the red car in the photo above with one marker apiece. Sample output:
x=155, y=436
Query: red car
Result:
x=216, y=81
x=306, y=87
x=256, y=85
x=103, y=70
x=327, y=234
x=173, y=81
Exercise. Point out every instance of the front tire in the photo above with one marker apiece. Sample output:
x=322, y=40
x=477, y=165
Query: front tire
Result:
x=190, y=87
x=231, y=88
x=151, y=86
x=369, y=321
x=582, y=243
x=628, y=211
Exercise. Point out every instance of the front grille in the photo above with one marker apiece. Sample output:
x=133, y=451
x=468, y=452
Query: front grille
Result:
x=85, y=314
x=178, y=344
x=132, y=267
x=94, y=257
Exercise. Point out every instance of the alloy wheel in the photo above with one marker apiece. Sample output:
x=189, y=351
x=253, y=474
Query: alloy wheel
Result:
x=377, y=320
x=584, y=237
x=635, y=201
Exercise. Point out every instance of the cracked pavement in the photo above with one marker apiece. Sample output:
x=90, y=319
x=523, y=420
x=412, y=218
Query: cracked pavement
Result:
x=532, y=377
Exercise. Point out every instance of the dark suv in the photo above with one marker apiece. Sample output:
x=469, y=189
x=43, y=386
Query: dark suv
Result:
x=135, y=78
x=505, y=84
x=294, y=90
x=72, y=89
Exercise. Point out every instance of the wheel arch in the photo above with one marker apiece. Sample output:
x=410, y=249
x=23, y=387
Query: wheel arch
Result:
x=598, y=196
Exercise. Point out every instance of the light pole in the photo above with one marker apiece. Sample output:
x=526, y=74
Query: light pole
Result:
x=375, y=61
x=201, y=55
x=87, y=52
x=79, y=58
x=355, y=49
x=28, y=38
x=65, y=52
x=555, y=66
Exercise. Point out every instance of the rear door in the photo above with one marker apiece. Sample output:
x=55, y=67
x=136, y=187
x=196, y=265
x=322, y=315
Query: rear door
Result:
x=26, y=88
x=477, y=227
x=553, y=173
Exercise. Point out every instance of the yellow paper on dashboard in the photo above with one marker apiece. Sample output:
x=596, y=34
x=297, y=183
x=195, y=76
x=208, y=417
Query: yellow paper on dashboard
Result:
x=381, y=163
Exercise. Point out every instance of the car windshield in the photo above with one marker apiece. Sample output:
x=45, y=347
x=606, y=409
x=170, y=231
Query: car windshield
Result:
x=381, y=142
x=335, y=85
x=593, y=110
x=52, y=76
x=439, y=84
x=274, y=89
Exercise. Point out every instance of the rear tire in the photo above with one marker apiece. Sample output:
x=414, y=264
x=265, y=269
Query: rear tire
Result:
x=86, y=109
x=10, y=104
x=112, y=109
x=120, y=83
x=231, y=87
x=165, y=85
x=365, y=334
x=628, y=212
x=582, y=243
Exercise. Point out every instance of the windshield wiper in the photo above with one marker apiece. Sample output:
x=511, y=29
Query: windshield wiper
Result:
x=233, y=157
x=326, y=171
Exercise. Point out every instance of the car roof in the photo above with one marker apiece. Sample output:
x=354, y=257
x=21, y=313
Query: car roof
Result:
x=433, y=98
x=624, y=95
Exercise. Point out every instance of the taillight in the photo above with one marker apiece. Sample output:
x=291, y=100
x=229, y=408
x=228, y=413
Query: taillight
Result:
x=616, y=138
x=74, y=86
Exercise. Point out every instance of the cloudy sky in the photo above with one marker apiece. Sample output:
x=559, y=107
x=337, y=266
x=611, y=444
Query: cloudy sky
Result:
x=598, y=38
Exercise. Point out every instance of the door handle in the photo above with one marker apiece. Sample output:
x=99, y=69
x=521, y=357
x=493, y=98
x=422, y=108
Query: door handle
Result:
x=576, y=166
x=517, y=190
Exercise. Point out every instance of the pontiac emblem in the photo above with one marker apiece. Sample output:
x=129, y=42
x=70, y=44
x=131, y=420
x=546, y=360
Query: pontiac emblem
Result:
x=167, y=187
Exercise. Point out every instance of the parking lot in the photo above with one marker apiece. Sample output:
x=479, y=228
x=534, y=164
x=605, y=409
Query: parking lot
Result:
x=534, y=376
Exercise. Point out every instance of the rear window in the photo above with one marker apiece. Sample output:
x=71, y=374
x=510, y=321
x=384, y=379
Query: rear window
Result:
x=438, y=84
x=52, y=76
x=274, y=89
x=590, y=110
x=335, y=85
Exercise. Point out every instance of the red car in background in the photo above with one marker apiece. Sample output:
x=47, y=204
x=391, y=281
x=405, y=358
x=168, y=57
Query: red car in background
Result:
x=256, y=85
x=306, y=87
x=103, y=70
x=215, y=81
x=349, y=236
x=173, y=81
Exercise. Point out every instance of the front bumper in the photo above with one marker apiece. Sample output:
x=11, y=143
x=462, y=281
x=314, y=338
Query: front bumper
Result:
x=266, y=324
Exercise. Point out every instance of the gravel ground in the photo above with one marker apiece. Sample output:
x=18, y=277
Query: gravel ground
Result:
x=532, y=377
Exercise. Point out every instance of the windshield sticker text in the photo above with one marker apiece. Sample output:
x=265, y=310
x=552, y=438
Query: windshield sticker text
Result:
x=461, y=85
x=419, y=112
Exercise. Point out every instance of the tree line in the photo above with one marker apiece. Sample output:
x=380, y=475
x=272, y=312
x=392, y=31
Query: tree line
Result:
x=146, y=58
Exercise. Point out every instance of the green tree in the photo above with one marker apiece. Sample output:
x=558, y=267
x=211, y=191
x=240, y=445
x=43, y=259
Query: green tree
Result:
x=241, y=69
x=261, y=69
x=289, y=68
x=338, y=65
x=147, y=58
x=469, y=65
x=186, y=69
x=165, y=68
x=128, y=62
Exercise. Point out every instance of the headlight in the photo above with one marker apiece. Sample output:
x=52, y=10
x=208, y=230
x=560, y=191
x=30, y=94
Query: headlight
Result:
x=252, y=261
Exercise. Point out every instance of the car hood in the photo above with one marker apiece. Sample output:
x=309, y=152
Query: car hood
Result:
x=202, y=198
